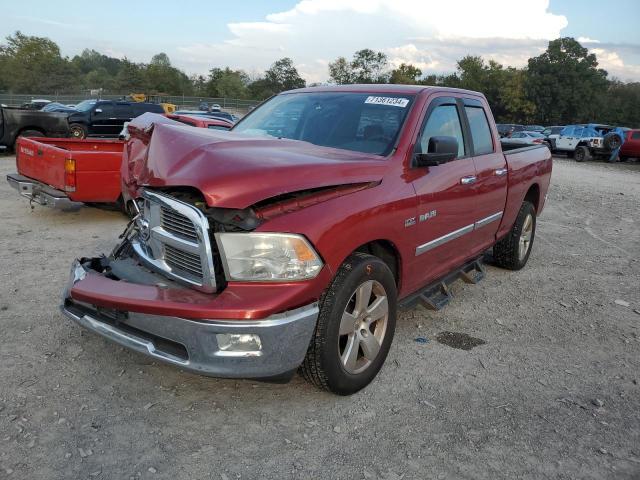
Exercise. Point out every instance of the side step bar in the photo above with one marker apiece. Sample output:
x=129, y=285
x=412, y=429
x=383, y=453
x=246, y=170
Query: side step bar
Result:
x=437, y=294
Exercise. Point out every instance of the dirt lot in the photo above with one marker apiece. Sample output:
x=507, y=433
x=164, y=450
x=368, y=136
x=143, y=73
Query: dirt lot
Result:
x=553, y=393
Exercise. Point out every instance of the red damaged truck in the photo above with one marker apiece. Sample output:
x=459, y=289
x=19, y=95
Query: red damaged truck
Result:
x=291, y=241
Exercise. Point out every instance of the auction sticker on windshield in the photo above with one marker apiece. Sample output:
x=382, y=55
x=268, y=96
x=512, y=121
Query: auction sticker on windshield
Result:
x=393, y=101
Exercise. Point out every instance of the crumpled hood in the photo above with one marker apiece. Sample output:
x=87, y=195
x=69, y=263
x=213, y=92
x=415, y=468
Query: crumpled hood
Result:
x=234, y=170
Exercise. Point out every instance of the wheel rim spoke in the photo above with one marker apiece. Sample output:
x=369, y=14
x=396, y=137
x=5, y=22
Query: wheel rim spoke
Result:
x=363, y=295
x=350, y=354
x=347, y=324
x=378, y=308
x=370, y=346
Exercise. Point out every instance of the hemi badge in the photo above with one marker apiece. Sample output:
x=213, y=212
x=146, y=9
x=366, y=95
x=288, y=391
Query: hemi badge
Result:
x=409, y=222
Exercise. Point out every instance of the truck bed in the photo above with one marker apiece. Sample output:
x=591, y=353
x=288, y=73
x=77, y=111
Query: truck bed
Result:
x=97, y=166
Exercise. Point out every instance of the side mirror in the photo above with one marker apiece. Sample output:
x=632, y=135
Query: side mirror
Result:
x=97, y=110
x=440, y=150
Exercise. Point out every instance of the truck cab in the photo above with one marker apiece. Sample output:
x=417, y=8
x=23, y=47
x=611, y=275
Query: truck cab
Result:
x=106, y=118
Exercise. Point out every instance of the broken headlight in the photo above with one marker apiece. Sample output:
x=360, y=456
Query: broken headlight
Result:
x=264, y=257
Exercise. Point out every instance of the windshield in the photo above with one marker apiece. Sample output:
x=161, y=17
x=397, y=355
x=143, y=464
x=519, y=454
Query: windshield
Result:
x=360, y=122
x=85, y=105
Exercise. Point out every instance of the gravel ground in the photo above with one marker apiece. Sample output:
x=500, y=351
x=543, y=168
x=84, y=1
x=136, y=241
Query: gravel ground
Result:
x=553, y=393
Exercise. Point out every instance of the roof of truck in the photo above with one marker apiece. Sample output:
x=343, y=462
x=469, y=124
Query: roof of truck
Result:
x=380, y=88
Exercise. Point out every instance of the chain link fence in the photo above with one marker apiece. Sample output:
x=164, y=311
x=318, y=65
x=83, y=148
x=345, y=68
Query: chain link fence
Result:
x=233, y=105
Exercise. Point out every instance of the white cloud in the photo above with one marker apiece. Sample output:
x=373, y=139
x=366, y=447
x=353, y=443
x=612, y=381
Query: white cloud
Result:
x=432, y=34
x=615, y=65
x=587, y=40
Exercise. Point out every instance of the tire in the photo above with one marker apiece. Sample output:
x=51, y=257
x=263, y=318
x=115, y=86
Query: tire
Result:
x=512, y=252
x=328, y=364
x=78, y=131
x=582, y=154
x=569, y=153
x=31, y=133
x=612, y=141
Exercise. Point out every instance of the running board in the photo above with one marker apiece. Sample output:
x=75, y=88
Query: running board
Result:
x=437, y=295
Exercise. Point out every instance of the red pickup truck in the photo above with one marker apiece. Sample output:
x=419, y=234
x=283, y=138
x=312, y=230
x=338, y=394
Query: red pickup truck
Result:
x=64, y=172
x=292, y=240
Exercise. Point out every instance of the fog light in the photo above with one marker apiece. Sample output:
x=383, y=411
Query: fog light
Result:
x=238, y=342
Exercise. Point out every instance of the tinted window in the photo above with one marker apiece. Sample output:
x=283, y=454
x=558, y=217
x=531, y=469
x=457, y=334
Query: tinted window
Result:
x=516, y=135
x=443, y=121
x=347, y=120
x=140, y=108
x=123, y=110
x=107, y=110
x=480, y=132
x=635, y=135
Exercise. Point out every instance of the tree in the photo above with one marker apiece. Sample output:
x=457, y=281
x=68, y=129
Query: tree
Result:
x=564, y=81
x=405, y=73
x=282, y=75
x=367, y=66
x=227, y=83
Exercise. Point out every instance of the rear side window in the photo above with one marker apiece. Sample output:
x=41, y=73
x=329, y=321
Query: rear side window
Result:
x=443, y=121
x=635, y=135
x=480, y=131
x=140, y=108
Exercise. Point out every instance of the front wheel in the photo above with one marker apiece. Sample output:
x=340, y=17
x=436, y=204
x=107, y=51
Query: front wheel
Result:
x=582, y=154
x=513, y=251
x=355, y=326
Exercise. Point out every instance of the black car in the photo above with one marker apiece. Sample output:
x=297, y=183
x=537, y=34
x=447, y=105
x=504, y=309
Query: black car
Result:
x=506, y=129
x=16, y=122
x=105, y=118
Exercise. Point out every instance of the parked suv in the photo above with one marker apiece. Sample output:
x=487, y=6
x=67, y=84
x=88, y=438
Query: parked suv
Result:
x=106, y=118
x=584, y=142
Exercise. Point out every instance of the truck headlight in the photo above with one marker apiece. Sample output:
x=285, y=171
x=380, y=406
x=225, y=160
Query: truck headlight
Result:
x=261, y=257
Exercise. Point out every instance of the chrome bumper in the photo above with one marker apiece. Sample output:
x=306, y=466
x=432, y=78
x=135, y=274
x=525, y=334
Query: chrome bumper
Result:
x=41, y=193
x=193, y=344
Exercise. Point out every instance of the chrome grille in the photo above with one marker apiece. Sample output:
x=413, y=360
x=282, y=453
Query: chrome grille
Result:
x=173, y=239
x=184, y=261
x=177, y=223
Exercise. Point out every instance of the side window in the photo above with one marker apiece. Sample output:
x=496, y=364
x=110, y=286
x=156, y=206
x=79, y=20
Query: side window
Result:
x=635, y=135
x=480, y=131
x=107, y=110
x=123, y=111
x=443, y=121
x=578, y=132
x=516, y=135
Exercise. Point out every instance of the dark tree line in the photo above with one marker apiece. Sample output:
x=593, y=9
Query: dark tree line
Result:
x=562, y=85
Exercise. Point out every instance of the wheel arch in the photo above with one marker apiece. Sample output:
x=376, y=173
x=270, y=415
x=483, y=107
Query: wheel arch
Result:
x=27, y=128
x=533, y=196
x=386, y=251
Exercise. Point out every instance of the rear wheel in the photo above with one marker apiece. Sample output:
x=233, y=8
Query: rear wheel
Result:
x=31, y=133
x=77, y=131
x=355, y=326
x=512, y=252
x=582, y=154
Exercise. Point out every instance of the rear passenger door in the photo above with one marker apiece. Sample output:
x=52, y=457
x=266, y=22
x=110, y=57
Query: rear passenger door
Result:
x=490, y=186
x=123, y=113
x=103, y=118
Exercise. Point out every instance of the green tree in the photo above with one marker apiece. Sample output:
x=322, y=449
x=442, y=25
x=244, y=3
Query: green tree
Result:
x=563, y=83
x=340, y=71
x=367, y=66
x=226, y=83
x=281, y=76
x=405, y=73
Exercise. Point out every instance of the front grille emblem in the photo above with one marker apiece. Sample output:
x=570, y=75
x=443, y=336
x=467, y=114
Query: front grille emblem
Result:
x=143, y=228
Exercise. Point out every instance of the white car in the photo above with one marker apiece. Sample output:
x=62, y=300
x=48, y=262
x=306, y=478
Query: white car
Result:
x=583, y=142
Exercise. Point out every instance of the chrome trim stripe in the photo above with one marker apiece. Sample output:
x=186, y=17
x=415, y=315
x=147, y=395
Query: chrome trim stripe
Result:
x=489, y=219
x=425, y=247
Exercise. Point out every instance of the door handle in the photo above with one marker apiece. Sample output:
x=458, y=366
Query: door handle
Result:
x=500, y=172
x=468, y=180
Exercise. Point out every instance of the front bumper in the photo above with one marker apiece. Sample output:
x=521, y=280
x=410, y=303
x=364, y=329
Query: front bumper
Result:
x=41, y=193
x=193, y=344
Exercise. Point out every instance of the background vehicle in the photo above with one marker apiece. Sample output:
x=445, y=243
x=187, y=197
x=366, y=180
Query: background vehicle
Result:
x=35, y=104
x=106, y=118
x=631, y=145
x=202, y=121
x=159, y=98
x=60, y=172
x=523, y=138
x=506, y=129
x=299, y=232
x=57, y=107
x=15, y=122
x=534, y=128
x=213, y=114
x=551, y=134
x=584, y=142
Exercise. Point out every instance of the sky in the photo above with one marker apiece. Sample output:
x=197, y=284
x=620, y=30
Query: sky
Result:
x=252, y=34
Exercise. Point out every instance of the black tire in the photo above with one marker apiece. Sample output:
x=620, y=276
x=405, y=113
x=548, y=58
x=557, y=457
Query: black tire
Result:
x=612, y=141
x=78, y=131
x=323, y=365
x=582, y=154
x=507, y=253
x=31, y=133
x=569, y=154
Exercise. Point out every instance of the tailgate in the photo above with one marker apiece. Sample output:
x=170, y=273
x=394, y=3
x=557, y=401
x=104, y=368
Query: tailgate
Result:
x=41, y=161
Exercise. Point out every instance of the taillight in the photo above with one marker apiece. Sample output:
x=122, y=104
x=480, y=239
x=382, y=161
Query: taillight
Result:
x=69, y=175
x=538, y=140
